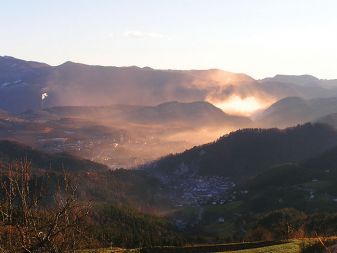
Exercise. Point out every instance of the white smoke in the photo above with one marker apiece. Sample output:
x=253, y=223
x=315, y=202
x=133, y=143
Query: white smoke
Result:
x=44, y=95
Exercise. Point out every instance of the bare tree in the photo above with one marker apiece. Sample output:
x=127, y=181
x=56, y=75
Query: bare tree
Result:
x=35, y=219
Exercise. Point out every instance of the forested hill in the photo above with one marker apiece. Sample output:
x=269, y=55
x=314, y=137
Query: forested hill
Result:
x=247, y=152
x=13, y=151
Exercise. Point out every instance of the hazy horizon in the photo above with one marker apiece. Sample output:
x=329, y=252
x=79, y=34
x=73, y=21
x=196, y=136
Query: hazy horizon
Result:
x=260, y=38
x=172, y=69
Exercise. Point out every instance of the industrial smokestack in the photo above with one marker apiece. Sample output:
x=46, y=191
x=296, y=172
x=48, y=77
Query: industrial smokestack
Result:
x=43, y=97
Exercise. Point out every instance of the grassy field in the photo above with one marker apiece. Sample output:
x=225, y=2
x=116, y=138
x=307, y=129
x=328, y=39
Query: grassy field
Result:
x=109, y=250
x=293, y=246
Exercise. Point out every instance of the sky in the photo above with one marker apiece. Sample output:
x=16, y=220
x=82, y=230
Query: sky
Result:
x=259, y=37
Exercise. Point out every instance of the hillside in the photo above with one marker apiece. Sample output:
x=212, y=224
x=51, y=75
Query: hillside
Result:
x=308, y=186
x=245, y=153
x=12, y=151
x=330, y=119
x=120, y=198
x=294, y=184
x=272, y=178
x=197, y=114
x=306, y=86
x=291, y=111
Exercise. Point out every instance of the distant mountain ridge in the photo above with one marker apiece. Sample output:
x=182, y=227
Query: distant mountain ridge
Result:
x=198, y=114
x=305, y=86
x=73, y=84
x=295, y=110
x=201, y=112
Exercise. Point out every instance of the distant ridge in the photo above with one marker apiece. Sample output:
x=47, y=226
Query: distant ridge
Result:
x=194, y=114
x=295, y=110
x=75, y=84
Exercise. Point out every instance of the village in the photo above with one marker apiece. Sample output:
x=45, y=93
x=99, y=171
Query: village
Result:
x=200, y=190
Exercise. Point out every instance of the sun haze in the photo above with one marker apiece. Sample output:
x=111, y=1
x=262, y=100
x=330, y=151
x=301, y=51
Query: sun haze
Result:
x=261, y=38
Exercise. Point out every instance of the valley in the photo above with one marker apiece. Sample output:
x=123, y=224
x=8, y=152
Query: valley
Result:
x=181, y=126
x=185, y=169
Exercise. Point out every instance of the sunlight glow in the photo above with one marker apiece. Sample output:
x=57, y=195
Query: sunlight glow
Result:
x=238, y=105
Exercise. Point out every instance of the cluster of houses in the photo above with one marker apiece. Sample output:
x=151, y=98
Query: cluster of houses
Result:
x=200, y=190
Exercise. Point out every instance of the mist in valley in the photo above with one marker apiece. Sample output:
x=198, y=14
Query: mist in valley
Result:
x=168, y=126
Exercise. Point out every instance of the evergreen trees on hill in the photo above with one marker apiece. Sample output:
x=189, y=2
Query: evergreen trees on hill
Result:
x=245, y=153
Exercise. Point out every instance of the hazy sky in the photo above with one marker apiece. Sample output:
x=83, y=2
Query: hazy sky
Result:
x=257, y=37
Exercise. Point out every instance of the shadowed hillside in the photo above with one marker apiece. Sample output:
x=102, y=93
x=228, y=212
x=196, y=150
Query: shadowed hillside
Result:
x=12, y=151
x=295, y=110
x=246, y=152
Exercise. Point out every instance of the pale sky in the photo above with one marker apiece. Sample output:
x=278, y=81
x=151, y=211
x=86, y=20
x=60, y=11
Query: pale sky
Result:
x=258, y=37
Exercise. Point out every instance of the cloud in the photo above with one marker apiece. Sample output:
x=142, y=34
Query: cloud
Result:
x=140, y=34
